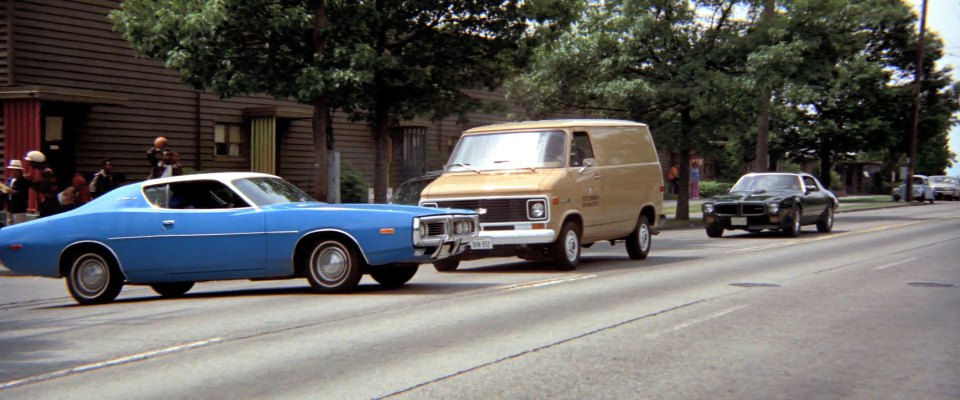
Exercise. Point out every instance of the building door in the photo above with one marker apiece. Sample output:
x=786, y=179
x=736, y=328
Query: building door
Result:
x=414, y=152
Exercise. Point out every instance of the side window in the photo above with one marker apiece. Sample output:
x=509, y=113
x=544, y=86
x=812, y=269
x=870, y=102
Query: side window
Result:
x=580, y=149
x=203, y=195
x=227, y=140
x=156, y=195
x=810, y=183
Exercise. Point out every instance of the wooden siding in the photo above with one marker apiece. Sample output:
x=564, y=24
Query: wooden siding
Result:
x=70, y=45
x=5, y=20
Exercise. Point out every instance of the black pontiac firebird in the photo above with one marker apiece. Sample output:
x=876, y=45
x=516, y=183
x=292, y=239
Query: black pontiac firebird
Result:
x=775, y=201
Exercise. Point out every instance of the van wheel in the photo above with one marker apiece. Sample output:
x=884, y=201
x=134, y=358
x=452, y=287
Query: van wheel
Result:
x=448, y=264
x=638, y=244
x=566, y=250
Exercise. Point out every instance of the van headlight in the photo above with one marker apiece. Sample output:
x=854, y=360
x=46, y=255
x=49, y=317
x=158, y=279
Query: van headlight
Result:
x=537, y=209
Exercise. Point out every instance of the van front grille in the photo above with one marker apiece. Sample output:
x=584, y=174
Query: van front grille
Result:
x=492, y=210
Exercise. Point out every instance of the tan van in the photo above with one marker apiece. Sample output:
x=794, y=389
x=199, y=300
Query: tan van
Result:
x=543, y=189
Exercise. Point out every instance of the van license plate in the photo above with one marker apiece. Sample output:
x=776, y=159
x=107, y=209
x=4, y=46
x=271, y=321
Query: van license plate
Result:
x=738, y=221
x=481, y=244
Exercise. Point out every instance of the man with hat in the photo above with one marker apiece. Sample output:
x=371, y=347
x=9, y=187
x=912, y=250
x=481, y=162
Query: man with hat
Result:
x=16, y=192
x=44, y=182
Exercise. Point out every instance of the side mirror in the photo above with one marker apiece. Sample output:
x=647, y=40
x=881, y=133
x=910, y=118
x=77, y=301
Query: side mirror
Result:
x=587, y=163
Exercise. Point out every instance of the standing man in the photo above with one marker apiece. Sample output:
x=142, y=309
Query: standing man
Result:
x=674, y=177
x=169, y=165
x=103, y=181
x=18, y=190
x=44, y=183
x=156, y=152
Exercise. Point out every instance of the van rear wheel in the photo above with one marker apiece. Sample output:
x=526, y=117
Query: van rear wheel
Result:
x=566, y=250
x=639, y=242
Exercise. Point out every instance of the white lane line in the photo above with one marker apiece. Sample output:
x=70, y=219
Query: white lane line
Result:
x=894, y=264
x=830, y=236
x=547, y=282
x=695, y=321
x=109, y=363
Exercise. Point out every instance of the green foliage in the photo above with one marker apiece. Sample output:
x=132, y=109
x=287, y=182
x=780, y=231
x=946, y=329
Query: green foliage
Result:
x=713, y=188
x=353, y=188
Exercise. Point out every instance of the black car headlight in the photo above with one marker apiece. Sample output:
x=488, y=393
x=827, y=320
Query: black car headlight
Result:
x=707, y=208
x=537, y=209
x=773, y=208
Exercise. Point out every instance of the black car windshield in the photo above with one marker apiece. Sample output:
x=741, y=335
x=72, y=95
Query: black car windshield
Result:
x=265, y=191
x=752, y=183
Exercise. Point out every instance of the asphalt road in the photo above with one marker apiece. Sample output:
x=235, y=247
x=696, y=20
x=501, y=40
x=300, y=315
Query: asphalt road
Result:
x=869, y=311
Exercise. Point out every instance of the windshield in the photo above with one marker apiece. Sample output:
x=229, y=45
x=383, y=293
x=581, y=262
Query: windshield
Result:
x=409, y=192
x=498, y=151
x=266, y=191
x=752, y=183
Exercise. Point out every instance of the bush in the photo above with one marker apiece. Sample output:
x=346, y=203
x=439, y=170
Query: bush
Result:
x=353, y=188
x=713, y=188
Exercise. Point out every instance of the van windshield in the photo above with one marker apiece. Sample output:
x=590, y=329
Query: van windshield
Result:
x=509, y=150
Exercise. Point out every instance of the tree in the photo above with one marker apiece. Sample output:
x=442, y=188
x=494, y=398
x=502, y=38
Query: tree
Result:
x=672, y=64
x=382, y=61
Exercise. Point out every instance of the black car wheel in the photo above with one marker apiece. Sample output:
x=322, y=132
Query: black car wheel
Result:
x=714, y=231
x=896, y=198
x=172, y=289
x=94, y=277
x=448, y=264
x=639, y=242
x=794, y=228
x=566, y=250
x=825, y=224
x=394, y=276
x=332, y=266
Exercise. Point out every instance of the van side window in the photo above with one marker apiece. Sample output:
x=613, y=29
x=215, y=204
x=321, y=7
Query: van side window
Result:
x=580, y=149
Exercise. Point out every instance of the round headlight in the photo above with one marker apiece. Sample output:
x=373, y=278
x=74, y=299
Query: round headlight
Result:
x=708, y=208
x=537, y=210
x=773, y=208
x=460, y=227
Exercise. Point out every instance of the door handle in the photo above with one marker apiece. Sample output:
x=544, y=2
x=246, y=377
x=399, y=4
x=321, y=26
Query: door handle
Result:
x=596, y=177
x=167, y=223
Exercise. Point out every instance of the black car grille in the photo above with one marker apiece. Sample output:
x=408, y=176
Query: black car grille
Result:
x=492, y=210
x=740, y=209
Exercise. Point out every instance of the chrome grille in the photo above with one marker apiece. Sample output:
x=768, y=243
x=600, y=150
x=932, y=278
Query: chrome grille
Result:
x=436, y=228
x=492, y=210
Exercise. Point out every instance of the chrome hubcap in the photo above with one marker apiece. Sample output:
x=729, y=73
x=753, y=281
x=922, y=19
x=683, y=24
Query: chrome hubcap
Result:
x=91, y=275
x=330, y=264
x=644, y=237
x=572, y=245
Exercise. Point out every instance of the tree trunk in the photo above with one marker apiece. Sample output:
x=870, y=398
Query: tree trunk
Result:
x=320, y=116
x=381, y=136
x=762, y=161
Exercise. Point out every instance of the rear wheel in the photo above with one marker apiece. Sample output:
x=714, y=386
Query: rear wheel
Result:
x=172, y=289
x=94, y=277
x=640, y=241
x=794, y=228
x=825, y=224
x=566, y=250
x=394, y=276
x=448, y=264
x=332, y=266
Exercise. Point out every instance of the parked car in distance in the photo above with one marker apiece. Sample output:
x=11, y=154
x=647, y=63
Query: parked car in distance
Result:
x=921, y=190
x=544, y=189
x=944, y=187
x=409, y=191
x=169, y=233
x=771, y=201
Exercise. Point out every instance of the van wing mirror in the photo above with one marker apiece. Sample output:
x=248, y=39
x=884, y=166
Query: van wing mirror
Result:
x=587, y=163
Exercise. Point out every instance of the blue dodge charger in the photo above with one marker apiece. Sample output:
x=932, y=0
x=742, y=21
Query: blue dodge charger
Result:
x=169, y=233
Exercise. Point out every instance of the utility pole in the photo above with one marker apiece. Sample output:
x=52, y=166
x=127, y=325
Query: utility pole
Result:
x=918, y=77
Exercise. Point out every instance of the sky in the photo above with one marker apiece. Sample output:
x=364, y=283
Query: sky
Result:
x=943, y=17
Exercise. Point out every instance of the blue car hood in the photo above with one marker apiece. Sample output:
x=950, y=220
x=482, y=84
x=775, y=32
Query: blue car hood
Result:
x=416, y=211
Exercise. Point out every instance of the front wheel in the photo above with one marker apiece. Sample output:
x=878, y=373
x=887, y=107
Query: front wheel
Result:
x=640, y=240
x=448, y=264
x=714, y=231
x=825, y=224
x=332, y=266
x=394, y=276
x=172, y=289
x=94, y=277
x=566, y=250
x=794, y=229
